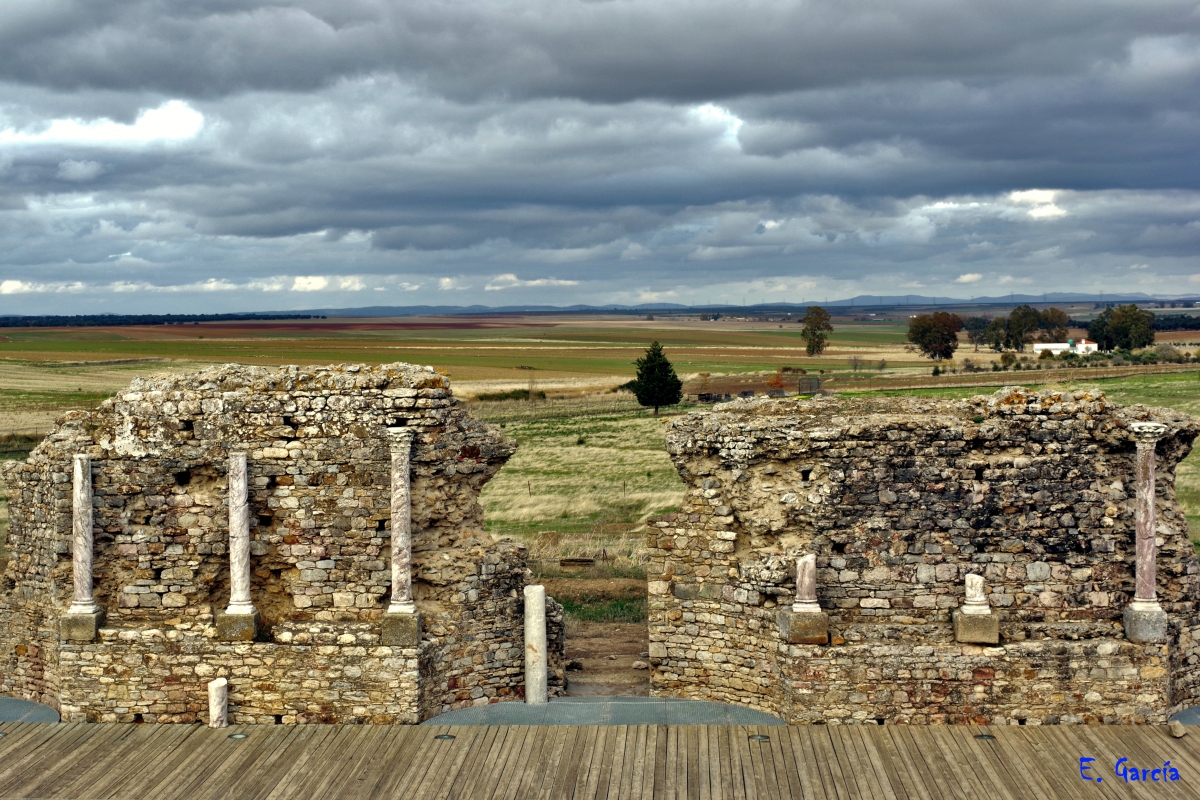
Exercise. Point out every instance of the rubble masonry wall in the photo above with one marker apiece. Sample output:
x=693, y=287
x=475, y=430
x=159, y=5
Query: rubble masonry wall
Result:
x=900, y=499
x=320, y=552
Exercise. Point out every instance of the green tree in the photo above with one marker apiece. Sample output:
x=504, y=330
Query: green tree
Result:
x=976, y=328
x=1022, y=323
x=997, y=333
x=936, y=334
x=815, y=330
x=1124, y=327
x=1054, y=324
x=656, y=383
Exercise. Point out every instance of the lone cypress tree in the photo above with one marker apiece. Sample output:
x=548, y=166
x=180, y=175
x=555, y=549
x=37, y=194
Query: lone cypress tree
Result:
x=656, y=383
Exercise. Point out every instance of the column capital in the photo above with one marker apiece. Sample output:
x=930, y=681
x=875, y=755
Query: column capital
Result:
x=1147, y=433
x=401, y=437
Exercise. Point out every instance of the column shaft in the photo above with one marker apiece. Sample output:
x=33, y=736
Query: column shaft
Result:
x=536, y=668
x=83, y=600
x=218, y=703
x=1146, y=524
x=401, y=445
x=239, y=537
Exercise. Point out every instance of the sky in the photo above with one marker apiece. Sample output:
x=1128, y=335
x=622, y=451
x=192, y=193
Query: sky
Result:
x=204, y=156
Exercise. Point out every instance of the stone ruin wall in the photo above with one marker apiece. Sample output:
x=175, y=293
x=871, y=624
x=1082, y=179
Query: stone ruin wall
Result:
x=319, y=498
x=899, y=500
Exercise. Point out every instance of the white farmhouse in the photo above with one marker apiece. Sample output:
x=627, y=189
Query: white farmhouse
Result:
x=1081, y=347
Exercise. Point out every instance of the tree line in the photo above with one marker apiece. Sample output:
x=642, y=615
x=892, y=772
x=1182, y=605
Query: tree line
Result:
x=1121, y=328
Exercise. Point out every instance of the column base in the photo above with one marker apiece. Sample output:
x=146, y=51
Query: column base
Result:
x=976, y=628
x=803, y=627
x=238, y=627
x=401, y=629
x=81, y=627
x=1145, y=624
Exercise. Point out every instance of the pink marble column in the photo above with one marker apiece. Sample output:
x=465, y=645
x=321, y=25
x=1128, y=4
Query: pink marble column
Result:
x=401, y=446
x=1147, y=435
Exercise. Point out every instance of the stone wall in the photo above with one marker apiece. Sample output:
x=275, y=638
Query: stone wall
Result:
x=900, y=499
x=319, y=497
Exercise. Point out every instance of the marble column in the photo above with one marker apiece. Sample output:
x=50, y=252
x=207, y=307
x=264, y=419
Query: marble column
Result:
x=975, y=622
x=1145, y=621
x=806, y=586
x=536, y=669
x=401, y=622
x=240, y=622
x=804, y=622
x=84, y=618
x=218, y=703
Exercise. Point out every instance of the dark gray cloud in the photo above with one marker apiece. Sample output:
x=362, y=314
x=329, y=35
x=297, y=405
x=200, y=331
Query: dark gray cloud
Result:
x=271, y=155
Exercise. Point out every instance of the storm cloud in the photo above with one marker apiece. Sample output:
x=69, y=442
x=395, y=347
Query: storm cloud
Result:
x=223, y=155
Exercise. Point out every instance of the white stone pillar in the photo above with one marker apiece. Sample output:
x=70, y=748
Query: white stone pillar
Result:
x=806, y=586
x=536, y=668
x=401, y=446
x=976, y=602
x=83, y=602
x=218, y=703
x=239, y=538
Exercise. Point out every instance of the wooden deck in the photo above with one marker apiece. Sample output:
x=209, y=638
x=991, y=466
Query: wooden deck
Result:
x=307, y=762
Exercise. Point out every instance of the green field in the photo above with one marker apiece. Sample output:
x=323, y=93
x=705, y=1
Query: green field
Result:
x=590, y=468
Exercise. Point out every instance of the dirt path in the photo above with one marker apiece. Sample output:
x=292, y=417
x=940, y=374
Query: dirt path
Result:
x=607, y=651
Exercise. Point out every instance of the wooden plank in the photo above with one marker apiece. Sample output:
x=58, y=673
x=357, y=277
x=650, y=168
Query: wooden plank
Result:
x=602, y=770
x=886, y=771
x=465, y=783
x=288, y=768
x=566, y=775
x=787, y=777
x=1149, y=747
x=1036, y=750
x=843, y=747
x=800, y=743
x=904, y=780
x=690, y=741
x=660, y=762
x=447, y=762
x=138, y=745
x=1000, y=780
x=907, y=753
x=595, y=764
x=231, y=776
x=1011, y=752
x=956, y=763
x=45, y=779
x=563, y=741
x=1107, y=747
x=418, y=746
x=634, y=765
x=54, y=762
x=651, y=784
x=40, y=752
x=837, y=785
x=536, y=761
x=514, y=765
x=869, y=764
x=610, y=789
x=671, y=782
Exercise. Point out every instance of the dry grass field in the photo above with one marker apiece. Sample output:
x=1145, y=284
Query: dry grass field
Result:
x=591, y=468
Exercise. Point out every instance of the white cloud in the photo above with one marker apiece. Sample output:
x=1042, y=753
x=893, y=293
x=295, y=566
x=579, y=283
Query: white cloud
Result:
x=17, y=287
x=969, y=277
x=452, y=284
x=721, y=118
x=309, y=283
x=1139, y=266
x=174, y=120
x=72, y=170
x=1195, y=278
x=351, y=283
x=511, y=281
x=1042, y=201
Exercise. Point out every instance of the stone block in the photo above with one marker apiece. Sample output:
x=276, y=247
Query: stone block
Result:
x=402, y=630
x=976, y=628
x=81, y=627
x=803, y=627
x=238, y=627
x=1145, y=625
